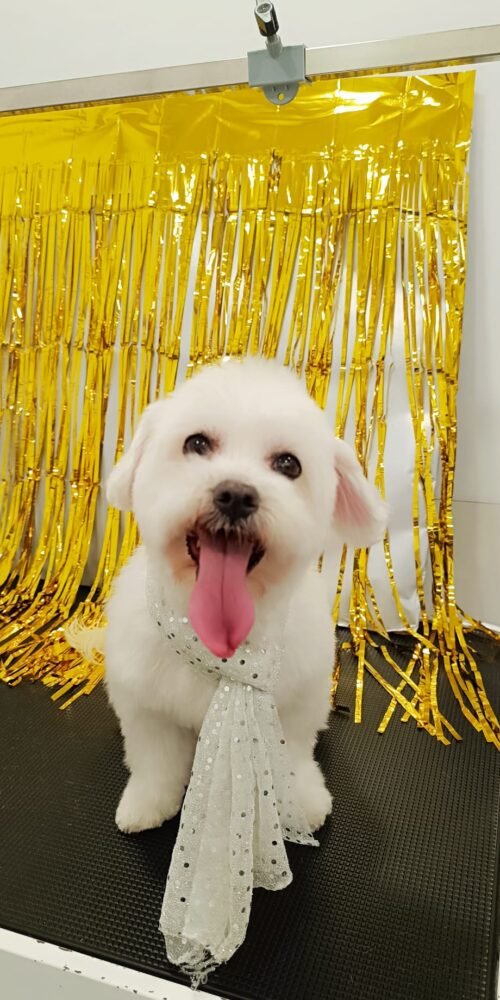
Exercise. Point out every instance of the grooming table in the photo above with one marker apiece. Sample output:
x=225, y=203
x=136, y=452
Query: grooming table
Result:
x=399, y=902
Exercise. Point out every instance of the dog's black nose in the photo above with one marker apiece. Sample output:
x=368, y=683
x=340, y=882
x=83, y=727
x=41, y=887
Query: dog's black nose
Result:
x=236, y=501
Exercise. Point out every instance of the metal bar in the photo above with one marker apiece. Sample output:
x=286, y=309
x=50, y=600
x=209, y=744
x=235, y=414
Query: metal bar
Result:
x=138, y=83
x=464, y=46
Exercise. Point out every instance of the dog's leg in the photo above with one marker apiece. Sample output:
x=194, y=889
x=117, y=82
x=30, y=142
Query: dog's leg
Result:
x=300, y=733
x=313, y=796
x=159, y=756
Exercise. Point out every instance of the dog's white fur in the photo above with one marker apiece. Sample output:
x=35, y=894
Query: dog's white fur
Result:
x=253, y=410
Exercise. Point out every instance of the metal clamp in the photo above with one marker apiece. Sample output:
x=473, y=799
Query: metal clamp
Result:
x=278, y=69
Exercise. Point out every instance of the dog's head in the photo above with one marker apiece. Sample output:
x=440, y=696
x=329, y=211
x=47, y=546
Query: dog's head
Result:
x=237, y=481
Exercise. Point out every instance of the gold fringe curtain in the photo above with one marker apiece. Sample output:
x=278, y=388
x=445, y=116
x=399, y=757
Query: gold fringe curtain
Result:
x=135, y=235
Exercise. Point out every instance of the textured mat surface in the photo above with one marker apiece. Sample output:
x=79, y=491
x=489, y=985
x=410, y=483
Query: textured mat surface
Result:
x=399, y=903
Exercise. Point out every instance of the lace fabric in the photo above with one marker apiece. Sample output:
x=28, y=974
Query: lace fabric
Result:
x=239, y=807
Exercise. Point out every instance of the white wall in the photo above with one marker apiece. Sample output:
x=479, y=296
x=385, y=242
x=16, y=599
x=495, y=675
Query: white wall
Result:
x=477, y=493
x=51, y=39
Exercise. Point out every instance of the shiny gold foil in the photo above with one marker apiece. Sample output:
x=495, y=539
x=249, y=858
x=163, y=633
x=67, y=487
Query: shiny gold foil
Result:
x=108, y=214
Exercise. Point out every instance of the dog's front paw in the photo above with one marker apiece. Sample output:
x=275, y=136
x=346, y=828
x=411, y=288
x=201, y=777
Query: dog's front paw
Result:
x=319, y=807
x=316, y=803
x=141, y=808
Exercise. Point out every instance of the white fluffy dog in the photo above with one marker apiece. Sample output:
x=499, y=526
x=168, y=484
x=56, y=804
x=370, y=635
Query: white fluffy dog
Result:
x=237, y=484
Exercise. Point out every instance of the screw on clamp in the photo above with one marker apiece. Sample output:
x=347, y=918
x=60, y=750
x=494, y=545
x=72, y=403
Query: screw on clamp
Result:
x=267, y=23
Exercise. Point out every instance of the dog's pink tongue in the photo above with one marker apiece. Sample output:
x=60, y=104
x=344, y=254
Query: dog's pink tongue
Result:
x=221, y=608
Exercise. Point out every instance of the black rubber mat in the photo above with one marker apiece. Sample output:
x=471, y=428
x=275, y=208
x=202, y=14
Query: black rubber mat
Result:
x=399, y=902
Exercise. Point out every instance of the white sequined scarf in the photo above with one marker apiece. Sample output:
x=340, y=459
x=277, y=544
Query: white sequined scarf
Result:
x=239, y=807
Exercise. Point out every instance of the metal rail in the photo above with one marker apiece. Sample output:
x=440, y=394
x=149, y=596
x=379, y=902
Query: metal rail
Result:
x=465, y=46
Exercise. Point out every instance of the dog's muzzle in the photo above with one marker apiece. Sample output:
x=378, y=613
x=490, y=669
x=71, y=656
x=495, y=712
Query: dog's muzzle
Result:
x=230, y=524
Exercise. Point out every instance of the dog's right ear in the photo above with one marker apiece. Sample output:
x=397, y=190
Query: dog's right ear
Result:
x=121, y=481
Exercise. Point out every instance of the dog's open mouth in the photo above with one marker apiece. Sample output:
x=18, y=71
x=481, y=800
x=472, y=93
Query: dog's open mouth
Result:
x=221, y=606
x=223, y=540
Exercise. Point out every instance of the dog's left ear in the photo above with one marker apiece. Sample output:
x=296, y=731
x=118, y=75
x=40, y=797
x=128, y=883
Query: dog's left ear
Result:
x=360, y=514
x=121, y=480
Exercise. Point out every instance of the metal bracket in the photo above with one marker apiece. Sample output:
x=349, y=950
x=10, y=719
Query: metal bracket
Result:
x=279, y=75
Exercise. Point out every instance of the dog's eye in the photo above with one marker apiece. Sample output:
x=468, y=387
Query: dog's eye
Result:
x=198, y=444
x=287, y=465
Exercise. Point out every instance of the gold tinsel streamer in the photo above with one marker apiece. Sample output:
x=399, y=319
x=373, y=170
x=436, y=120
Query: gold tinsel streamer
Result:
x=108, y=213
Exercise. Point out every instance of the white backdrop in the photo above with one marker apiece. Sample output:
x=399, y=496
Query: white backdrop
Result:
x=49, y=39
